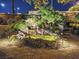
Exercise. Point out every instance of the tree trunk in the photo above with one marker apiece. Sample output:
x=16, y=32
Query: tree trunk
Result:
x=13, y=11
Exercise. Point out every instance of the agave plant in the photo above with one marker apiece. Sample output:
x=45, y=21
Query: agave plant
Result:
x=20, y=25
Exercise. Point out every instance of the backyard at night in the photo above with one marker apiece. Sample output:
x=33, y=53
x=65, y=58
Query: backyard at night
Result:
x=37, y=29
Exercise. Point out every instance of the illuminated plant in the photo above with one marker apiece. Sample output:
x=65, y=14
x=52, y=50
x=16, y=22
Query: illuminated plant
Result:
x=50, y=16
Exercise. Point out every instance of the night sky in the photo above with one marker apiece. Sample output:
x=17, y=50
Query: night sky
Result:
x=21, y=6
x=63, y=7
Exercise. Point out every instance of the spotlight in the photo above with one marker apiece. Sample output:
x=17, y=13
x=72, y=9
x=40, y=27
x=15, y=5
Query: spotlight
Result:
x=2, y=4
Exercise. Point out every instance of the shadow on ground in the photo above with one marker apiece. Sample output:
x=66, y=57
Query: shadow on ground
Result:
x=39, y=43
x=4, y=56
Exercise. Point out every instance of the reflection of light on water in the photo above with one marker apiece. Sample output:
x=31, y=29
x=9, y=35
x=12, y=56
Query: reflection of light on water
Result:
x=68, y=45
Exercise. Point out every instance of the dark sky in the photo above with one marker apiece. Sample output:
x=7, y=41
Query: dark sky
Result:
x=22, y=6
x=62, y=7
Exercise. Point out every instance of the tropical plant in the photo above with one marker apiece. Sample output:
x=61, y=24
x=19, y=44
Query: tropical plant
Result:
x=50, y=16
x=19, y=25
